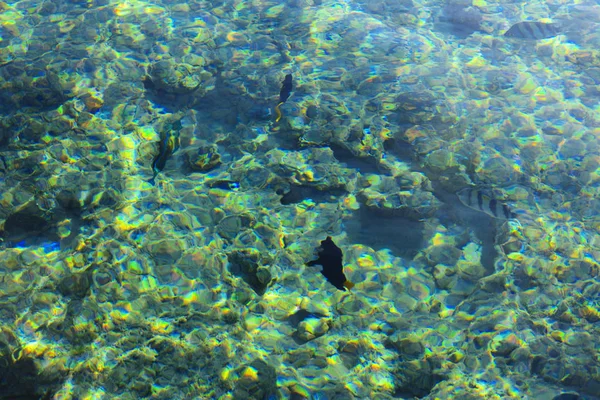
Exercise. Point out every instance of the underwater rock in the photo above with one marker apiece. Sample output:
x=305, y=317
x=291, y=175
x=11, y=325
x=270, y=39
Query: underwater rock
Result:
x=203, y=159
x=245, y=264
x=584, y=59
x=122, y=93
x=93, y=102
x=99, y=199
x=49, y=91
x=499, y=170
x=503, y=348
x=417, y=378
x=6, y=133
x=350, y=352
x=567, y=396
x=406, y=108
x=445, y=276
x=166, y=252
x=564, y=363
x=577, y=271
x=21, y=375
x=232, y=225
x=76, y=285
x=305, y=356
x=440, y=160
x=78, y=325
x=385, y=7
x=28, y=226
x=169, y=77
x=258, y=380
x=302, y=314
x=312, y=328
x=461, y=19
x=24, y=167
x=380, y=230
x=102, y=277
x=69, y=201
x=425, y=144
x=409, y=348
x=395, y=196
x=573, y=148
x=315, y=167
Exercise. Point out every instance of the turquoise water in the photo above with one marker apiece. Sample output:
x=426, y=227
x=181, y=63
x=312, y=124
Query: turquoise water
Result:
x=165, y=187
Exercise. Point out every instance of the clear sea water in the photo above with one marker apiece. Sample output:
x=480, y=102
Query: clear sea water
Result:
x=169, y=171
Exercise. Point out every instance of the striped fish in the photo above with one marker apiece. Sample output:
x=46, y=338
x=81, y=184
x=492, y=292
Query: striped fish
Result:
x=533, y=30
x=480, y=201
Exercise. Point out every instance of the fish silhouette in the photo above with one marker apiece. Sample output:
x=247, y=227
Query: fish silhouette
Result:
x=330, y=258
x=484, y=202
x=533, y=30
x=168, y=144
x=284, y=94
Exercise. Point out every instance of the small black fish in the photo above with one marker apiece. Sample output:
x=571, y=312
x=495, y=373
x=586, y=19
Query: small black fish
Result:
x=169, y=143
x=286, y=88
x=533, y=30
x=284, y=94
x=330, y=258
x=480, y=201
x=224, y=184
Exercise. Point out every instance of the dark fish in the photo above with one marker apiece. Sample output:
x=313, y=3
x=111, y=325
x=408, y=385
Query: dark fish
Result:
x=533, y=30
x=169, y=143
x=330, y=258
x=224, y=184
x=480, y=201
x=284, y=94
